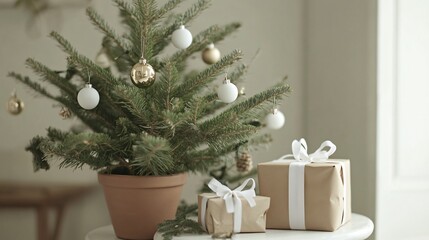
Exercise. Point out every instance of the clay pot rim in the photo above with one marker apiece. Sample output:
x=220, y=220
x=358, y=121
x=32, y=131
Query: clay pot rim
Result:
x=133, y=181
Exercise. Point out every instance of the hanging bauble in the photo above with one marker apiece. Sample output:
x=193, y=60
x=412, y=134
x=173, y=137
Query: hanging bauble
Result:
x=15, y=105
x=181, y=38
x=275, y=119
x=227, y=92
x=244, y=162
x=210, y=54
x=142, y=74
x=88, y=97
x=102, y=59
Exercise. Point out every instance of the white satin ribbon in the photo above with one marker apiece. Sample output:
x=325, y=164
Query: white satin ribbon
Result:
x=297, y=176
x=232, y=200
x=299, y=152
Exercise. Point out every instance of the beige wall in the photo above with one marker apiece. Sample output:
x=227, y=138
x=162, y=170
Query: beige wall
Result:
x=341, y=87
x=276, y=28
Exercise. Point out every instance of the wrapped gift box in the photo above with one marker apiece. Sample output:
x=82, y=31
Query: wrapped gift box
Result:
x=228, y=211
x=325, y=199
x=218, y=220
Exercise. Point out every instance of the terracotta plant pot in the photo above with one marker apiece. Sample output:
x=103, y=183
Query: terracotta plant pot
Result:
x=137, y=204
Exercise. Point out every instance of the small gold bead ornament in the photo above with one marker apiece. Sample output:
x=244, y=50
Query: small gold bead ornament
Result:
x=242, y=91
x=142, y=74
x=15, y=105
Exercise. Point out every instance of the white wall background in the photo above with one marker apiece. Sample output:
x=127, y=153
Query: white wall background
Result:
x=276, y=28
x=403, y=113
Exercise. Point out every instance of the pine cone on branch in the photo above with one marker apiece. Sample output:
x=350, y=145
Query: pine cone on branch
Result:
x=244, y=162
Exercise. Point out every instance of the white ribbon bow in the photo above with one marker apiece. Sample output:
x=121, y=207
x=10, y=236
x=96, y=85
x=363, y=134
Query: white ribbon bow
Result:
x=299, y=152
x=296, y=177
x=232, y=199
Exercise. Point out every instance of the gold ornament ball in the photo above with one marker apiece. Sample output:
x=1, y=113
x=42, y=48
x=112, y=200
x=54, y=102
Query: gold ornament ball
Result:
x=15, y=105
x=142, y=74
x=210, y=54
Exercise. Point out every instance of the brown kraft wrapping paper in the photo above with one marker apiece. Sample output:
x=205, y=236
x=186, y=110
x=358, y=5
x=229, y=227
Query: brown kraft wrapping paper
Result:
x=219, y=221
x=323, y=187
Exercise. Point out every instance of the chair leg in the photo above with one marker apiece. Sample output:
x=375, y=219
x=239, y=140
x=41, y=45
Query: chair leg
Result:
x=42, y=223
x=58, y=221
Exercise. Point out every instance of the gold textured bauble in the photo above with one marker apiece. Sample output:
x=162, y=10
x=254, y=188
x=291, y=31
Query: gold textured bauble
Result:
x=210, y=54
x=15, y=105
x=65, y=113
x=142, y=74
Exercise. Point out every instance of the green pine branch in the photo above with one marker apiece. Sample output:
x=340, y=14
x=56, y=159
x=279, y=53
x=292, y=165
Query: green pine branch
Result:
x=36, y=87
x=40, y=160
x=207, y=76
x=86, y=65
x=91, y=119
x=152, y=156
x=101, y=24
x=181, y=224
x=170, y=121
x=127, y=12
x=237, y=75
x=51, y=76
x=132, y=100
x=147, y=11
x=63, y=43
x=168, y=7
x=56, y=134
x=192, y=12
x=259, y=101
x=202, y=160
x=122, y=60
x=168, y=77
x=241, y=110
x=213, y=34
x=201, y=106
x=77, y=150
x=223, y=136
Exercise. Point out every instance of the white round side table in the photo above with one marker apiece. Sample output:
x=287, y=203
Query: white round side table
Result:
x=359, y=228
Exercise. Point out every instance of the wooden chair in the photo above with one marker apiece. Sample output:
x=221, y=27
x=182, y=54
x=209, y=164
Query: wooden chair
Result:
x=42, y=198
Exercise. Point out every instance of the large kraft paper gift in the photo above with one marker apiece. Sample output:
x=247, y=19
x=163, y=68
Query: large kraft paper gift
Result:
x=227, y=211
x=309, y=192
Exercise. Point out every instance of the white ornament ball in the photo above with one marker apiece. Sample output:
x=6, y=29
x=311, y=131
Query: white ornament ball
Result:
x=181, y=38
x=88, y=97
x=227, y=92
x=102, y=59
x=210, y=54
x=275, y=119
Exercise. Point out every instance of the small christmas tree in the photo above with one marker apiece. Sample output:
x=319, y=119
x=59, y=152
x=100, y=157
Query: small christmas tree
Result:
x=175, y=125
x=168, y=118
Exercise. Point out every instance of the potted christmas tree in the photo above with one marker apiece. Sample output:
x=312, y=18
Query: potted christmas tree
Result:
x=151, y=119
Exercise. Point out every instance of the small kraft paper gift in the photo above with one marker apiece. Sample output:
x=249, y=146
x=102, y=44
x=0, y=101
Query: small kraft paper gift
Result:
x=308, y=192
x=232, y=211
